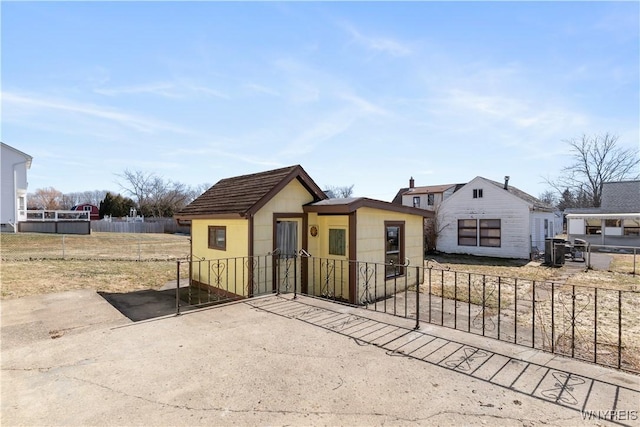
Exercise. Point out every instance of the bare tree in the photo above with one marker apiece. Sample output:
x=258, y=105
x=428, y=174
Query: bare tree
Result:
x=138, y=184
x=548, y=197
x=46, y=198
x=596, y=159
x=155, y=196
x=339, y=192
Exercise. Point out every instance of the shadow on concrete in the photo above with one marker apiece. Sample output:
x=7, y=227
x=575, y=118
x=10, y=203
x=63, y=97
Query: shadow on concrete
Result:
x=143, y=305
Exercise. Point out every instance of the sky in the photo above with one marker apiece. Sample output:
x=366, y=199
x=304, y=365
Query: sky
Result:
x=367, y=94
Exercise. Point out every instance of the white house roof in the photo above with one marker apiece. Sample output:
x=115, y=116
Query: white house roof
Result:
x=27, y=157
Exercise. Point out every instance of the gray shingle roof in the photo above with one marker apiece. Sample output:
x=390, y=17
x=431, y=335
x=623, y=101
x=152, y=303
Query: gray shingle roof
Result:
x=537, y=203
x=621, y=196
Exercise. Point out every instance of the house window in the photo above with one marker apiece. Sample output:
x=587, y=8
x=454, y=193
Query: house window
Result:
x=593, y=226
x=430, y=199
x=631, y=227
x=490, y=233
x=416, y=201
x=337, y=241
x=218, y=237
x=394, y=248
x=477, y=193
x=467, y=232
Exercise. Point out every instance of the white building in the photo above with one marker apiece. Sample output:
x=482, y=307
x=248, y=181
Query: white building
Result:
x=13, y=187
x=489, y=218
x=616, y=222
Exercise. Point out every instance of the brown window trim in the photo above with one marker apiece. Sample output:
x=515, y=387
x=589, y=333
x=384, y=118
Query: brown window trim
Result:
x=212, y=242
x=474, y=228
x=398, y=271
x=484, y=239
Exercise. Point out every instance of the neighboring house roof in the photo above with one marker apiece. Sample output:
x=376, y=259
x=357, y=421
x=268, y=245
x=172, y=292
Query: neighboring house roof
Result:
x=244, y=195
x=621, y=196
x=425, y=189
x=397, y=200
x=617, y=197
x=27, y=157
x=351, y=204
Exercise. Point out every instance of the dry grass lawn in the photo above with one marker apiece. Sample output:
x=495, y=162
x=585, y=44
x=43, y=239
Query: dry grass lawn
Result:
x=35, y=263
x=23, y=278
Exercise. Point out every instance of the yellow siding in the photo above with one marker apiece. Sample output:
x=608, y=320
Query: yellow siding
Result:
x=313, y=243
x=226, y=270
x=371, y=243
x=330, y=274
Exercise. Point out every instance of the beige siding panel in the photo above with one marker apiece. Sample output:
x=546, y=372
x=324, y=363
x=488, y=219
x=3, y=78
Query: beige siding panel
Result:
x=289, y=200
x=371, y=246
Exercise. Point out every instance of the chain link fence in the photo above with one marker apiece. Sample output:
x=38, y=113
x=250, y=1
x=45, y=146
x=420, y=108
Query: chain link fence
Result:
x=96, y=246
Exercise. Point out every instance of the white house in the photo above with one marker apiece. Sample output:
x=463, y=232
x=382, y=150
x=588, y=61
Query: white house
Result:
x=13, y=187
x=489, y=218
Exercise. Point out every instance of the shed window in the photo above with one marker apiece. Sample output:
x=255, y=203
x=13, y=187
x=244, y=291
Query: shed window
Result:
x=337, y=241
x=490, y=232
x=467, y=232
x=218, y=237
x=394, y=248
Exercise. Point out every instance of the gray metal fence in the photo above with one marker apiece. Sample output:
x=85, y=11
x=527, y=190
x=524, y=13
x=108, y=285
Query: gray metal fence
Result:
x=598, y=324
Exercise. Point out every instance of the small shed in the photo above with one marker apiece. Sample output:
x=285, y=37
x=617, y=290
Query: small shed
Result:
x=361, y=234
x=282, y=213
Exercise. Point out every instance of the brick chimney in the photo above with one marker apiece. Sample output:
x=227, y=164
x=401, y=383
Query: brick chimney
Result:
x=412, y=183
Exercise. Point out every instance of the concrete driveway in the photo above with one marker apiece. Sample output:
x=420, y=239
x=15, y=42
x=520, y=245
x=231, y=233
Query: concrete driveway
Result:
x=278, y=361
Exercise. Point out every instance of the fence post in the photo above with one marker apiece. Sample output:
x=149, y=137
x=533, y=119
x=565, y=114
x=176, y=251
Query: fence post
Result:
x=295, y=276
x=63, y=248
x=417, y=298
x=177, y=287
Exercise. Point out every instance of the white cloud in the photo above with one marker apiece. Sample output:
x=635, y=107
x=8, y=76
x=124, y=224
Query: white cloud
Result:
x=386, y=45
x=163, y=89
x=138, y=123
x=261, y=89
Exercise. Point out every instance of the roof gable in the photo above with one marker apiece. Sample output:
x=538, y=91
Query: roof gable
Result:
x=244, y=195
x=512, y=191
x=27, y=157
